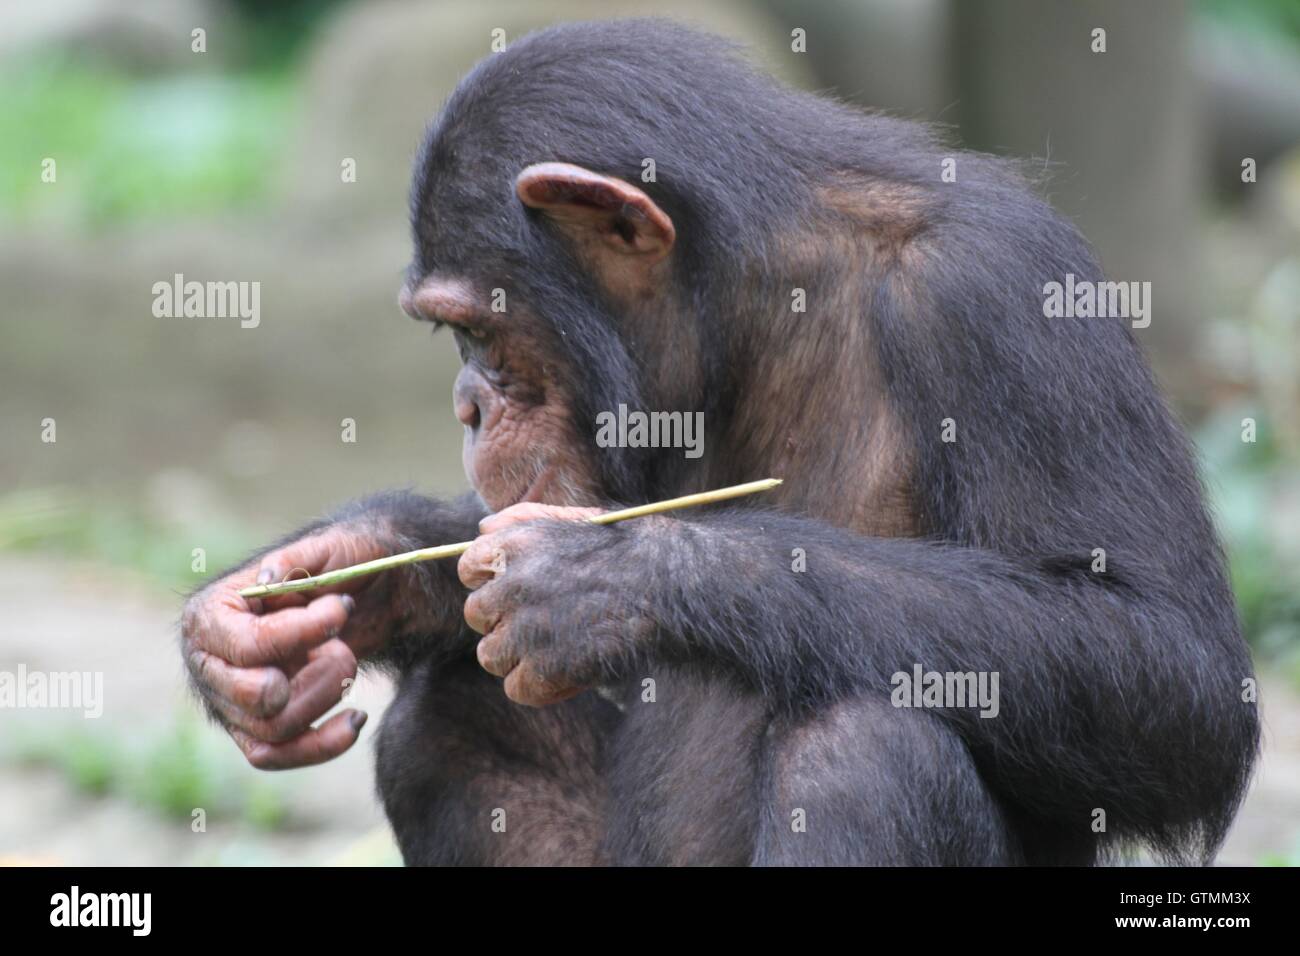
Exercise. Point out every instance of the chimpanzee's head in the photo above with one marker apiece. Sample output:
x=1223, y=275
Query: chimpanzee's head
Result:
x=576, y=229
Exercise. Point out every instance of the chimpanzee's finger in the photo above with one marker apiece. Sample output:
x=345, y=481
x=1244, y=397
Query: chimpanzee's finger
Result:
x=312, y=554
x=312, y=691
x=277, y=602
x=248, y=640
x=533, y=511
x=483, y=609
x=260, y=691
x=485, y=559
x=496, y=653
x=316, y=554
x=317, y=745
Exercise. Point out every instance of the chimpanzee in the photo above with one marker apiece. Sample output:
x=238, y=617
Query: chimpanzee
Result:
x=627, y=214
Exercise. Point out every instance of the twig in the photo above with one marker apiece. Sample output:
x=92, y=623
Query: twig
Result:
x=451, y=550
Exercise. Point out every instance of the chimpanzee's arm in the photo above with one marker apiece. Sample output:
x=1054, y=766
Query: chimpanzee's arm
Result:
x=426, y=599
x=1121, y=692
x=1125, y=690
x=413, y=611
x=268, y=670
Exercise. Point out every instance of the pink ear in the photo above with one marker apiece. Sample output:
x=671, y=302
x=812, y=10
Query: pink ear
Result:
x=622, y=216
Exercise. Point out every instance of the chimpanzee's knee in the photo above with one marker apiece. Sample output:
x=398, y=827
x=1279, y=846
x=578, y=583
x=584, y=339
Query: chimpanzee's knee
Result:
x=865, y=783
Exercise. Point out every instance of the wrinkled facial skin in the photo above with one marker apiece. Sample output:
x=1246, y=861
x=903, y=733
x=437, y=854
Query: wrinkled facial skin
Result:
x=596, y=237
x=521, y=442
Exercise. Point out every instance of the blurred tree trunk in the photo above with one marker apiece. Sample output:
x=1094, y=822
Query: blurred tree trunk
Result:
x=1122, y=125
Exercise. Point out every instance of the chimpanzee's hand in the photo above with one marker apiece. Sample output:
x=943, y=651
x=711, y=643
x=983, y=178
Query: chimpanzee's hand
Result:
x=268, y=667
x=556, y=600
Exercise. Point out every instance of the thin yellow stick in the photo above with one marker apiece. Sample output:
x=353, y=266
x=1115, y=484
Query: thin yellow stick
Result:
x=452, y=550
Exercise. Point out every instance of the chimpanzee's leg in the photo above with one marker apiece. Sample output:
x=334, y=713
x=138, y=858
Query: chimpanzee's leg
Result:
x=865, y=783
x=468, y=777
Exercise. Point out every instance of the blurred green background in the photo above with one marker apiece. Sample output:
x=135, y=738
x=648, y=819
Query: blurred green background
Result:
x=177, y=434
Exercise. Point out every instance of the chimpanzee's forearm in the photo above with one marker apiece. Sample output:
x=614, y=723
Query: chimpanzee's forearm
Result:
x=422, y=604
x=1086, y=665
x=426, y=599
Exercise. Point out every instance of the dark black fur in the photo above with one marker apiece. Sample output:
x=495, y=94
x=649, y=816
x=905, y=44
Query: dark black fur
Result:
x=1119, y=691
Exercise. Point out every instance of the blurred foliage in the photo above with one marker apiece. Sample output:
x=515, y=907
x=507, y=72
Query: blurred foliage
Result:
x=276, y=32
x=1265, y=16
x=68, y=524
x=172, y=773
x=1246, y=481
x=1281, y=858
x=136, y=148
x=152, y=147
x=1254, y=486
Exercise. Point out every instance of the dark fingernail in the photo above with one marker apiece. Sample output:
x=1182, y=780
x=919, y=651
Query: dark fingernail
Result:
x=349, y=603
x=359, y=718
x=264, y=576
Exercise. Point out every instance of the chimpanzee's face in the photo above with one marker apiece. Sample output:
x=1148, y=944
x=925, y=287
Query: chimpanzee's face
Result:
x=520, y=442
x=514, y=393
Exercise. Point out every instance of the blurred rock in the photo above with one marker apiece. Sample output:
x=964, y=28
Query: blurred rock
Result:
x=139, y=36
x=380, y=71
x=890, y=55
x=1119, y=133
x=1250, y=88
x=181, y=496
x=248, y=449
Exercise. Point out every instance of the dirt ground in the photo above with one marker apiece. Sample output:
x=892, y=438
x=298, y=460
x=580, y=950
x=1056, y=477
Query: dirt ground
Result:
x=87, y=618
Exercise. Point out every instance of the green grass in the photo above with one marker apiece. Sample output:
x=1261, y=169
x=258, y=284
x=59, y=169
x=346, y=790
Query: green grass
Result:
x=1246, y=483
x=1274, y=18
x=132, y=149
x=171, y=773
x=1281, y=859
x=65, y=523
